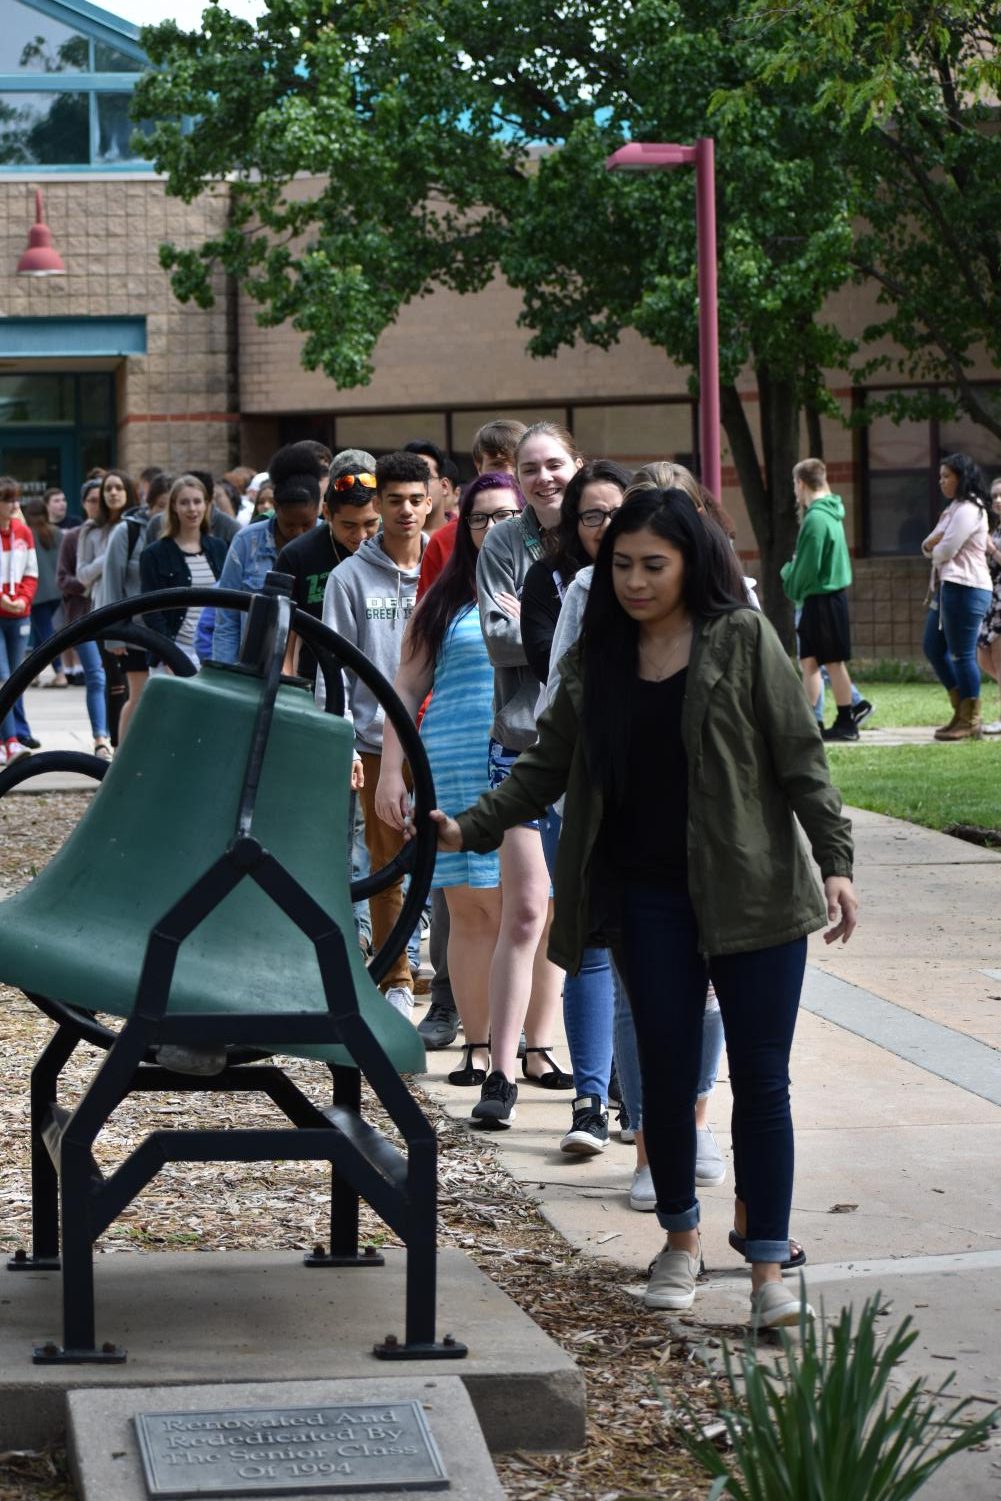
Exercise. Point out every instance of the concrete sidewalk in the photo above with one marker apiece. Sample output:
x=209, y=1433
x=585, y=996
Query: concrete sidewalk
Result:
x=897, y=1101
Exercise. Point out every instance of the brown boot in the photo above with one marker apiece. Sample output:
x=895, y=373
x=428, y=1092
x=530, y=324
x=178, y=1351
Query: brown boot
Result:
x=944, y=729
x=968, y=726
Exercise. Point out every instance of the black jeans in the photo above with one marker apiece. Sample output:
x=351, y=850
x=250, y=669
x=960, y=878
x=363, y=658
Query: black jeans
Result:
x=665, y=978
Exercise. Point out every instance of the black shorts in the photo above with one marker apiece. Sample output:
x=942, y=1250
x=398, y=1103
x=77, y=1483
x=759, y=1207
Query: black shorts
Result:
x=824, y=631
x=133, y=659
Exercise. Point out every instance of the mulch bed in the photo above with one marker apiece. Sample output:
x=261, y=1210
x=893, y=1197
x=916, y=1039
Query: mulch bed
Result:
x=634, y=1363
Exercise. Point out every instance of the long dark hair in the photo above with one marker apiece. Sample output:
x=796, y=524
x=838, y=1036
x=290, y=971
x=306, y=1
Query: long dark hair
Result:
x=972, y=485
x=104, y=516
x=569, y=555
x=712, y=586
x=455, y=586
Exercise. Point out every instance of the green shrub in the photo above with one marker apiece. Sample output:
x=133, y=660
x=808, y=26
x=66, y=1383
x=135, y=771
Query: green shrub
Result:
x=822, y=1424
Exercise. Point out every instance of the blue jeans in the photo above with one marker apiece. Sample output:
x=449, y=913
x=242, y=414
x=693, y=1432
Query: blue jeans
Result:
x=627, y=1060
x=950, y=639
x=14, y=633
x=42, y=617
x=93, y=673
x=588, y=999
x=759, y=998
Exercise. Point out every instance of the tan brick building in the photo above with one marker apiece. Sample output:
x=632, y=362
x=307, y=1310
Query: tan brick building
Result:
x=102, y=365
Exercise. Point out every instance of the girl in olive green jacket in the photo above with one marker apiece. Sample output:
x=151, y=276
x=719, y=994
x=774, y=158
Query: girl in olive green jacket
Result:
x=687, y=751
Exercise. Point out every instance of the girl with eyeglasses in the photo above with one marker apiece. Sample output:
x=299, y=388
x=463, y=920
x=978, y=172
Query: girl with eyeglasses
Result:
x=525, y=988
x=444, y=654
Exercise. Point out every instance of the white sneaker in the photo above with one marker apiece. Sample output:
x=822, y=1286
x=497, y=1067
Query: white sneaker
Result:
x=776, y=1306
x=672, y=1280
x=401, y=998
x=642, y=1194
x=709, y=1164
x=3, y=755
x=994, y=728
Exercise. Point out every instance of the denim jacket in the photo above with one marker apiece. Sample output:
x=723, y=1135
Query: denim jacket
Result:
x=252, y=556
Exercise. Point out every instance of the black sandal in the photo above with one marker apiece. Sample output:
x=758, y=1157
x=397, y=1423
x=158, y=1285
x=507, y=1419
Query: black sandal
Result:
x=467, y=1074
x=555, y=1079
x=797, y=1256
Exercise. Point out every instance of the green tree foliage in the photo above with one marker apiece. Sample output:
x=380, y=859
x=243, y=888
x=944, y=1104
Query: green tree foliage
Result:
x=454, y=138
x=915, y=87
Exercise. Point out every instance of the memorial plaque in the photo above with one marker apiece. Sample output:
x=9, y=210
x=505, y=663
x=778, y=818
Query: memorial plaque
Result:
x=327, y=1450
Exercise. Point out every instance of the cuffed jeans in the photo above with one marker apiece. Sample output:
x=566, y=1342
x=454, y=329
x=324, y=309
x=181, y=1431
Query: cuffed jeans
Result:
x=950, y=639
x=759, y=997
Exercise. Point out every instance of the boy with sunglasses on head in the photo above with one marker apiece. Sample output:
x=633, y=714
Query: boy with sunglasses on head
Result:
x=349, y=516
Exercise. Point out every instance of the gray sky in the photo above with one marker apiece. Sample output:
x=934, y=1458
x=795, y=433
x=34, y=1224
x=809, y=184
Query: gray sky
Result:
x=187, y=13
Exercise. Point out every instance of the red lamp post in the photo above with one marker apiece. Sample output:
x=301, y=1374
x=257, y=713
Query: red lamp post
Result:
x=658, y=156
x=41, y=258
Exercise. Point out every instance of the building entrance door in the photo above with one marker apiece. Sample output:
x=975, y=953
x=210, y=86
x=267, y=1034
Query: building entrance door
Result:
x=39, y=461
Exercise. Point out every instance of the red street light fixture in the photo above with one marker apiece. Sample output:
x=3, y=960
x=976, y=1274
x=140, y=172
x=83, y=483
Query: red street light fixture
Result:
x=647, y=156
x=41, y=258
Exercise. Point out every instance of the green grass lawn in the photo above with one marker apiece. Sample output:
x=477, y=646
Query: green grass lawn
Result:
x=912, y=703
x=933, y=784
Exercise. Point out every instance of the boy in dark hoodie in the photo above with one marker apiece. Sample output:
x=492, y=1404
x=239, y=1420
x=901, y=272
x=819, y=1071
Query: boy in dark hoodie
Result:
x=817, y=580
x=369, y=599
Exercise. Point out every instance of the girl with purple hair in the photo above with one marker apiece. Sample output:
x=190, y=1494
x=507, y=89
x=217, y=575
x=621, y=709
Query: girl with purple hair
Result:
x=444, y=650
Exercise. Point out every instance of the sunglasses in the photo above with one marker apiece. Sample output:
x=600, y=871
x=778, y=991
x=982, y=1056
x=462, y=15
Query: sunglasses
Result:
x=349, y=481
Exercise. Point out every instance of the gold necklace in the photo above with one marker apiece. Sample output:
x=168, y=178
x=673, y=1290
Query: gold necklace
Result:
x=659, y=669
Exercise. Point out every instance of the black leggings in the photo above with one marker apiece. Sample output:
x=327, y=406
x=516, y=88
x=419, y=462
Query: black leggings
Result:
x=116, y=690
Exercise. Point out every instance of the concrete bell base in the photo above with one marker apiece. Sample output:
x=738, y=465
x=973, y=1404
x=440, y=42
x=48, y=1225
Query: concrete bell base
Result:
x=196, y=1318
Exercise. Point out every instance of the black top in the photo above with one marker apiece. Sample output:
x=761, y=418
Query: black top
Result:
x=646, y=840
x=540, y=610
x=163, y=565
x=310, y=559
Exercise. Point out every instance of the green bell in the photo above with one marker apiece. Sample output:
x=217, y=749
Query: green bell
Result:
x=163, y=815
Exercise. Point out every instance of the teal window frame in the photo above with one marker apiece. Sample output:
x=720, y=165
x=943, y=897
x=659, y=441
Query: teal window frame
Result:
x=90, y=27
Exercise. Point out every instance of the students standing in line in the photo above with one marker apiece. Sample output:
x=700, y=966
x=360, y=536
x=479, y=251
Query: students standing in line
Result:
x=369, y=600
x=296, y=471
x=18, y=582
x=525, y=987
x=817, y=579
x=76, y=604
x=185, y=556
x=677, y=700
x=961, y=590
x=444, y=655
x=115, y=496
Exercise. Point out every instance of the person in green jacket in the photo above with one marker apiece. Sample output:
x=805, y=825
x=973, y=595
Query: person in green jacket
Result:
x=816, y=580
x=687, y=752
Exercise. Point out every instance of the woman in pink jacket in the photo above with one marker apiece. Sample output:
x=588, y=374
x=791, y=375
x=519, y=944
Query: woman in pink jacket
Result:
x=961, y=592
x=18, y=582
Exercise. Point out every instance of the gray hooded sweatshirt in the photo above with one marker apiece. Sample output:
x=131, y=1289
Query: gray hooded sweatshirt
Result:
x=368, y=600
x=507, y=553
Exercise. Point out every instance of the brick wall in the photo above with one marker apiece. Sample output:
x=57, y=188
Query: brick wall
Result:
x=887, y=607
x=176, y=404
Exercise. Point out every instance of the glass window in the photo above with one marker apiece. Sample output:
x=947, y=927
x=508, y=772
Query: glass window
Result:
x=383, y=433
x=95, y=400
x=634, y=434
x=39, y=44
x=110, y=60
x=115, y=129
x=899, y=485
x=48, y=130
x=39, y=400
x=96, y=452
x=966, y=436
